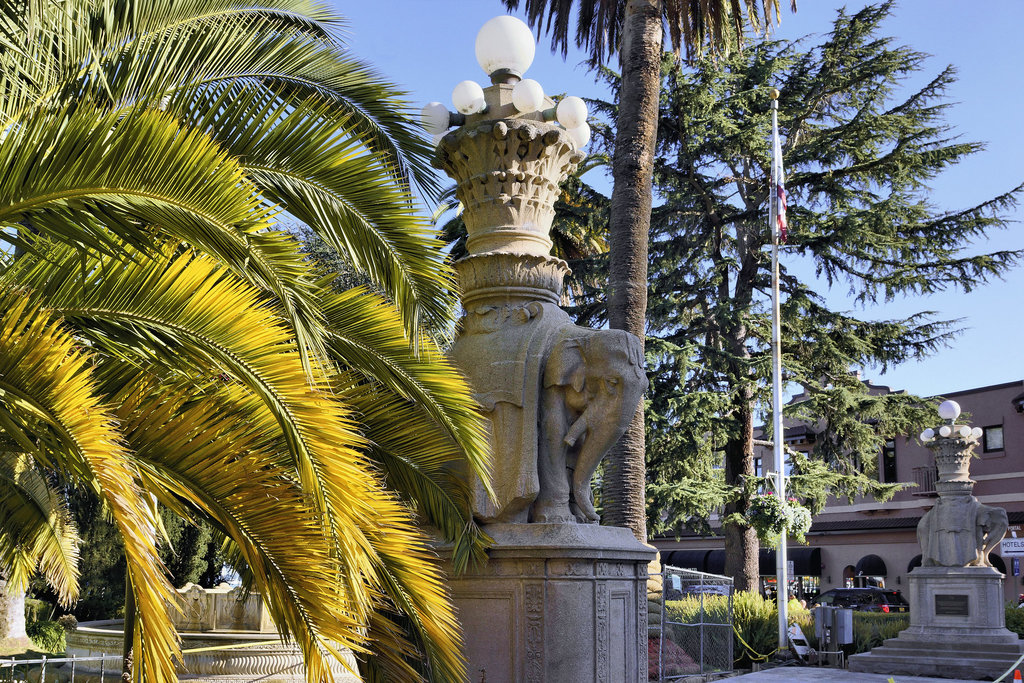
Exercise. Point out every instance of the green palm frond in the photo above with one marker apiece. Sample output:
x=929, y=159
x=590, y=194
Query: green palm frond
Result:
x=188, y=305
x=332, y=182
x=36, y=530
x=157, y=50
x=365, y=336
x=48, y=407
x=422, y=463
x=57, y=175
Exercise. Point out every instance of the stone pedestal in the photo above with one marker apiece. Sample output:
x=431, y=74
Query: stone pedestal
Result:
x=957, y=628
x=560, y=603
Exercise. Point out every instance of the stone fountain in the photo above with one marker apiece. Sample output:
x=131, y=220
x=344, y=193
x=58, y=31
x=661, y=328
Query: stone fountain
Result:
x=957, y=621
x=227, y=636
x=561, y=598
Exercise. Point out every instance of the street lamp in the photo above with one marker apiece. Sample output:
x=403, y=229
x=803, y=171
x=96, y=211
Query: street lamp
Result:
x=509, y=149
x=950, y=411
x=505, y=49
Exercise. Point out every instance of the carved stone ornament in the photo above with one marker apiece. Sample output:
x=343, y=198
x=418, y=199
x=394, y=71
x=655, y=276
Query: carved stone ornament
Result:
x=507, y=174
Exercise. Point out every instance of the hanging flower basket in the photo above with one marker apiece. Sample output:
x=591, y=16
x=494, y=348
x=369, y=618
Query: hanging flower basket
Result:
x=770, y=517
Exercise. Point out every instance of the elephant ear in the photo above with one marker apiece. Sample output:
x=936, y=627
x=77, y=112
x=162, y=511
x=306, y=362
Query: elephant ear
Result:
x=565, y=365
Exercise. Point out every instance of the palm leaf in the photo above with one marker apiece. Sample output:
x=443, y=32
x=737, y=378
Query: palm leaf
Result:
x=327, y=178
x=35, y=529
x=366, y=336
x=46, y=398
x=59, y=173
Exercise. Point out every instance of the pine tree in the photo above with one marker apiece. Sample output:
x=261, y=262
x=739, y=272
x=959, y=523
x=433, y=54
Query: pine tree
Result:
x=859, y=150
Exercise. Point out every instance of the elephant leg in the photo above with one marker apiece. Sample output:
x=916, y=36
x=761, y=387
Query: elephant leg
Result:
x=582, y=501
x=552, y=504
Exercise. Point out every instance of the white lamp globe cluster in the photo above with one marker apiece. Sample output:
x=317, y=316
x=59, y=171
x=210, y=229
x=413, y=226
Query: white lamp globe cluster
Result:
x=505, y=48
x=950, y=411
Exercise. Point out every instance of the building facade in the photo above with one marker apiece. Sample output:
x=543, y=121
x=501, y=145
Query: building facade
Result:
x=865, y=542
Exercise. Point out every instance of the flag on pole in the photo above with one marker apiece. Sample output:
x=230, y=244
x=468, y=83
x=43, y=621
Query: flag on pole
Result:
x=778, y=185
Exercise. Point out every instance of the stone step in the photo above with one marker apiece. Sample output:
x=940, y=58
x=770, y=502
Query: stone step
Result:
x=939, y=653
x=996, y=650
x=925, y=665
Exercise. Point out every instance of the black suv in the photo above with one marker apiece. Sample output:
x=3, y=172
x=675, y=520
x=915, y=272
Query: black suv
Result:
x=865, y=599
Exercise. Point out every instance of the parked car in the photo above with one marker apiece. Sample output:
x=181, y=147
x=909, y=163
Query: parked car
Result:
x=865, y=599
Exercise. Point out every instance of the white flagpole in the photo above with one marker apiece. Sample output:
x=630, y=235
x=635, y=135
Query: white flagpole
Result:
x=781, y=563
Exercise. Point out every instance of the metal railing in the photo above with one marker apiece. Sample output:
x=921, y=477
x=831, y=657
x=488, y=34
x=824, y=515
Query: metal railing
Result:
x=925, y=478
x=60, y=669
x=692, y=626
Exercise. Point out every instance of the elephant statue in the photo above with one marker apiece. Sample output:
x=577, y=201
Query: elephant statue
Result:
x=960, y=532
x=592, y=382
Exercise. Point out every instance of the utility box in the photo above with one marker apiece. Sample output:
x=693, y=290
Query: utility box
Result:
x=833, y=626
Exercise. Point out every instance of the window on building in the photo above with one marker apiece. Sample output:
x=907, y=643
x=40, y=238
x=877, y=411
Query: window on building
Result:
x=889, y=462
x=992, y=438
x=758, y=465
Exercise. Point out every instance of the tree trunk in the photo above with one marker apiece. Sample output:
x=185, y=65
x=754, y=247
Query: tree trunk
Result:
x=741, y=545
x=12, y=616
x=624, y=483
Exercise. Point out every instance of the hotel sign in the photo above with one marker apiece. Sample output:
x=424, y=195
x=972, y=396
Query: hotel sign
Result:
x=1012, y=547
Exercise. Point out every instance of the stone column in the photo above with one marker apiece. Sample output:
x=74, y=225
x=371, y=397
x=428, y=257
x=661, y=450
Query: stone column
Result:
x=561, y=598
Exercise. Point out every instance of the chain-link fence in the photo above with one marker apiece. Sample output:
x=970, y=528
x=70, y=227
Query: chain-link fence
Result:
x=690, y=626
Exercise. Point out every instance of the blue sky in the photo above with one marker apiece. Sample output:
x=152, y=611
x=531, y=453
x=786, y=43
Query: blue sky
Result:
x=426, y=46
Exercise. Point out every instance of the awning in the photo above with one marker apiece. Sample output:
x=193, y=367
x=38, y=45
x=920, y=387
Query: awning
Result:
x=914, y=563
x=686, y=559
x=997, y=562
x=870, y=565
x=716, y=562
x=806, y=561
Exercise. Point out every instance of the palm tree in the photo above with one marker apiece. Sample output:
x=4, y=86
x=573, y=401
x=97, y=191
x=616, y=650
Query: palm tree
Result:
x=634, y=29
x=161, y=342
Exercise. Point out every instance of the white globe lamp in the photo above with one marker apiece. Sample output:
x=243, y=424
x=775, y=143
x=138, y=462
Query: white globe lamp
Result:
x=571, y=112
x=580, y=135
x=965, y=432
x=945, y=430
x=949, y=410
x=527, y=96
x=435, y=118
x=505, y=48
x=977, y=432
x=928, y=434
x=468, y=98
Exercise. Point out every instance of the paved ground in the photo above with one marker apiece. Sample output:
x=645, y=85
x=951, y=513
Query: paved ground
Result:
x=812, y=674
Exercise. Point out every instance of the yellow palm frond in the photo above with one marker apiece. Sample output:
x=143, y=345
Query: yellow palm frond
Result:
x=48, y=407
x=36, y=530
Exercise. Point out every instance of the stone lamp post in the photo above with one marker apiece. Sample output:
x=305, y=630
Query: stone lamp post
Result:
x=561, y=598
x=957, y=623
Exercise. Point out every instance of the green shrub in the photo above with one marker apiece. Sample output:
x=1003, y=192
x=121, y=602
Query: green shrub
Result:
x=1015, y=618
x=709, y=609
x=47, y=635
x=756, y=621
x=37, y=610
x=871, y=629
x=756, y=625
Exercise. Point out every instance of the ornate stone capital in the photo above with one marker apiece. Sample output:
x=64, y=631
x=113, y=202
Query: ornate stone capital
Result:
x=953, y=461
x=507, y=173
